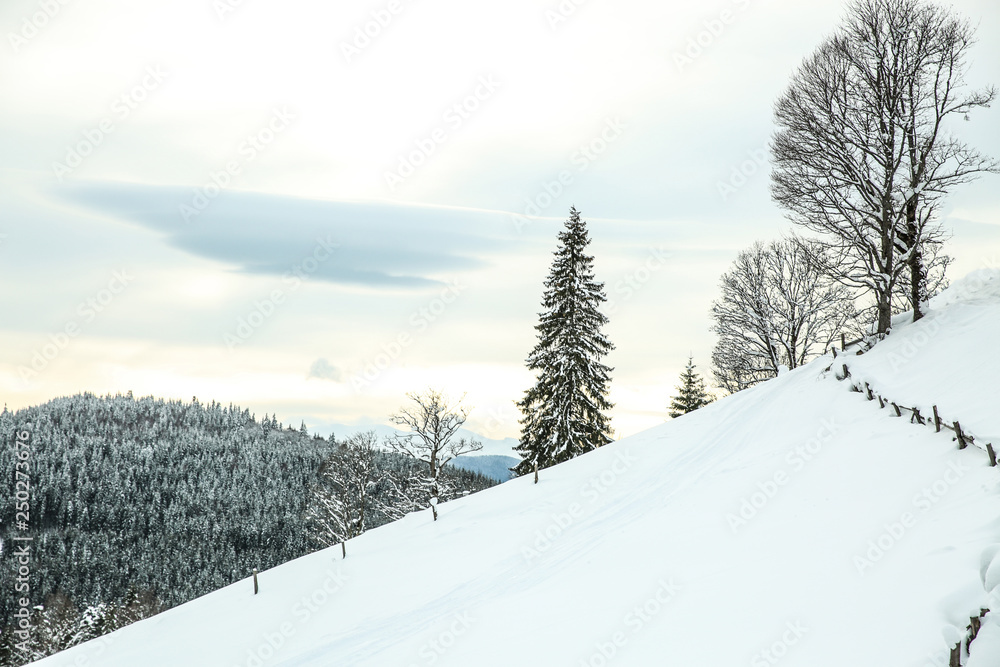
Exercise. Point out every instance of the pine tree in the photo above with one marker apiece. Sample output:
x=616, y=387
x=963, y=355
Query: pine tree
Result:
x=564, y=410
x=691, y=392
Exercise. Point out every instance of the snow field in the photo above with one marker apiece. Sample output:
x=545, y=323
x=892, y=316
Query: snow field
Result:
x=794, y=523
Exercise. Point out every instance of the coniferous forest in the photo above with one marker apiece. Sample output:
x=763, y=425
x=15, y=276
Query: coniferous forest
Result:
x=138, y=505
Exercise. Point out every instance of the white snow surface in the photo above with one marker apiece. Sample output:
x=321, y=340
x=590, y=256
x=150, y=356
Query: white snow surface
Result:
x=949, y=358
x=864, y=540
x=985, y=651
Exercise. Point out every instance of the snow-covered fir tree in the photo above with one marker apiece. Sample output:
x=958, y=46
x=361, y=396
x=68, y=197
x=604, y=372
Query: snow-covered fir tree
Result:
x=691, y=393
x=563, y=413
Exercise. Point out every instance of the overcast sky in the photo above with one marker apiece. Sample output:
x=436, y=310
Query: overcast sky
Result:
x=311, y=208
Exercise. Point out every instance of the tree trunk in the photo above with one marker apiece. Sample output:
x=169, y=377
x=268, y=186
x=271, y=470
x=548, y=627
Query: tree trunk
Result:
x=883, y=294
x=918, y=274
x=884, y=313
x=435, y=471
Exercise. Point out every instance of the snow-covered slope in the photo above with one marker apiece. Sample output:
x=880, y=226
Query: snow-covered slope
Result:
x=949, y=359
x=793, y=523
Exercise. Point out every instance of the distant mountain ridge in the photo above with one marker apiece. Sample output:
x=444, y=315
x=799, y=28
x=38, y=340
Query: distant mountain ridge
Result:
x=491, y=446
x=493, y=466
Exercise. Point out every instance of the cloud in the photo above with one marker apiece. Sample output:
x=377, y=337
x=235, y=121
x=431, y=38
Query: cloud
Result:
x=380, y=245
x=324, y=370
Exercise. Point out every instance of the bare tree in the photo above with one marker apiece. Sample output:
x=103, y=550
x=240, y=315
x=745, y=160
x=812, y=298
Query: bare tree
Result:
x=778, y=308
x=862, y=155
x=353, y=487
x=433, y=422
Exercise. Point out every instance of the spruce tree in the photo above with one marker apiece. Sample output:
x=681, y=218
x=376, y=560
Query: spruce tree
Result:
x=691, y=392
x=564, y=410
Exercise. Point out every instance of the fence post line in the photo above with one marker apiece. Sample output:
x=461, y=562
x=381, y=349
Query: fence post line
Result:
x=843, y=341
x=963, y=439
x=256, y=588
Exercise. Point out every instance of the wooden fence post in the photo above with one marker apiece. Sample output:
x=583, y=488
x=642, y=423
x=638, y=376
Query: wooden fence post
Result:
x=343, y=549
x=961, y=437
x=916, y=415
x=868, y=390
x=847, y=373
x=536, y=472
x=896, y=408
x=975, y=624
x=881, y=403
x=993, y=455
x=256, y=588
x=843, y=341
x=937, y=420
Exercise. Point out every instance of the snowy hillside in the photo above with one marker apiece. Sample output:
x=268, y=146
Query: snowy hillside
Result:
x=793, y=523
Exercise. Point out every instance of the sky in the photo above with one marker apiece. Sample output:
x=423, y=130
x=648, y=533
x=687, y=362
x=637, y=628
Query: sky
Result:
x=311, y=209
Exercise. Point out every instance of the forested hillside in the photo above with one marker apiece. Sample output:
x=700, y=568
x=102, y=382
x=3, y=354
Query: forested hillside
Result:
x=138, y=505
